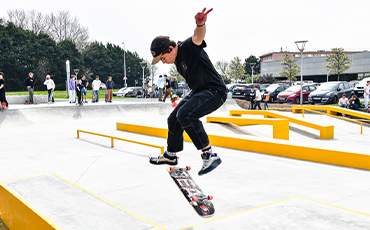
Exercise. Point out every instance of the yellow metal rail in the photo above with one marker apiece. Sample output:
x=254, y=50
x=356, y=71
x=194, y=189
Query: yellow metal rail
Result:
x=121, y=139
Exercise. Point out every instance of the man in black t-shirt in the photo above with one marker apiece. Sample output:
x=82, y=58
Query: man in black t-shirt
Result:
x=85, y=83
x=208, y=94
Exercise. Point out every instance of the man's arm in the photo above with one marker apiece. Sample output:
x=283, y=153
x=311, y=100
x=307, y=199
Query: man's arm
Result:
x=200, y=30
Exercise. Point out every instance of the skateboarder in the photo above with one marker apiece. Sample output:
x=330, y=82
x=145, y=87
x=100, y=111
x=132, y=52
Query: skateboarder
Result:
x=208, y=94
x=2, y=90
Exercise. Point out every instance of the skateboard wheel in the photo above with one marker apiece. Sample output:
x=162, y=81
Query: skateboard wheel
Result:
x=188, y=168
x=194, y=198
x=210, y=197
x=172, y=169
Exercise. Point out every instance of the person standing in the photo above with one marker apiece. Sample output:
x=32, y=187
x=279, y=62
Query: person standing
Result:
x=30, y=83
x=160, y=84
x=96, y=87
x=72, y=88
x=79, y=88
x=266, y=98
x=258, y=98
x=174, y=85
x=167, y=85
x=110, y=84
x=208, y=93
x=367, y=94
x=50, y=85
x=2, y=91
x=85, y=83
x=252, y=96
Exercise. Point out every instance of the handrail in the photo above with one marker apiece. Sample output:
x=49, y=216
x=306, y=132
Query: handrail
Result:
x=332, y=116
x=121, y=139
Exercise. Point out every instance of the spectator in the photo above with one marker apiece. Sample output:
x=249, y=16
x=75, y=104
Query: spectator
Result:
x=96, y=87
x=2, y=91
x=79, y=88
x=343, y=102
x=168, y=88
x=258, y=98
x=266, y=98
x=160, y=84
x=85, y=83
x=152, y=92
x=252, y=97
x=354, y=102
x=72, y=88
x=30, y=83
x=366, y=94
x=110, y=84
x=174, y=85
x=50, y=85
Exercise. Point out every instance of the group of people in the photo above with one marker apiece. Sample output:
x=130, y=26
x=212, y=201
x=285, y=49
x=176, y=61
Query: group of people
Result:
x=79, y=87
x=256, y=97
x=164, y=85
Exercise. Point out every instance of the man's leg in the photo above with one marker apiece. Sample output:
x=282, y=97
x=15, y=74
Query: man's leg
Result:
x=30, y=92
x=366, y=97
x=97, y=95
x=160, y=94
x=258, y=103
x=110, y=95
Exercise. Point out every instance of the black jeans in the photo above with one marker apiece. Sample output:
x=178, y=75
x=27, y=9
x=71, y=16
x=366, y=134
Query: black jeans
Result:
x=257, y=103
x=2, y=97
x=186, y=116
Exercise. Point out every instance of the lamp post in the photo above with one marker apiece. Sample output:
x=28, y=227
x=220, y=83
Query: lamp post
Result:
x=252, y=65
x=76, y=72
x=327, y=75
x=303, y=43
x=124, y=62
x=143, y=64
x=68, y=75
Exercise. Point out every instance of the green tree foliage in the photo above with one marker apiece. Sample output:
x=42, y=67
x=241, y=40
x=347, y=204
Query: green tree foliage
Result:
x=236, y=69
x=289, y=69
x=256, y=67
x=265, y=79
x=222, y=68
x=174, y=73
x=338, y=61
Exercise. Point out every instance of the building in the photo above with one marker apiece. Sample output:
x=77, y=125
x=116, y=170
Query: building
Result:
x=314, y=65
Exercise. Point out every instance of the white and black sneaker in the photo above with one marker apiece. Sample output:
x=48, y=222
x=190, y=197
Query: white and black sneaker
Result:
x=210, y=162
x=164, y=159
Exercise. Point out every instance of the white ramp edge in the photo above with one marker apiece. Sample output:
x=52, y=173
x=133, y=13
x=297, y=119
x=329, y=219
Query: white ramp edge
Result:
x=71, y=207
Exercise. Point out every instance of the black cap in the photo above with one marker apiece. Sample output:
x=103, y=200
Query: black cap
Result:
x=159, y=44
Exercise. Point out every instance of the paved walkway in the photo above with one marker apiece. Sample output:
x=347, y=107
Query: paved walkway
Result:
x=251, y=190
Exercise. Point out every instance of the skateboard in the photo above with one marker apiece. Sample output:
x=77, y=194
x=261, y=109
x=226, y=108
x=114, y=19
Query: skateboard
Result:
x=51, y=96
x=194, y=195
x=2, y=107
x=38, y=101
x=106, y=96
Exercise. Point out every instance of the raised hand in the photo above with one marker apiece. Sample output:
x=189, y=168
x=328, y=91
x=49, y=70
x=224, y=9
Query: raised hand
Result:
x=201, y=17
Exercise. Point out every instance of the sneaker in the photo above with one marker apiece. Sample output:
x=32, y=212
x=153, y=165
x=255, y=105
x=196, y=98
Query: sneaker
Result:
x=86, y=102
x=210, y=162
x=163, y=159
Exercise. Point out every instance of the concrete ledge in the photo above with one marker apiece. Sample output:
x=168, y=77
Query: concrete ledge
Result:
x=348, y=159
x=326, y=132
x=22, y=99
x=280, y=126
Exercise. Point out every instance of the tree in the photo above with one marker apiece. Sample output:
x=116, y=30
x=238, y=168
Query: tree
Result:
x=222, y=68
x=289, y=69
x=338, y=61
x=265, y=79
x=236, y=69
x=256, y=67
x=174, y=73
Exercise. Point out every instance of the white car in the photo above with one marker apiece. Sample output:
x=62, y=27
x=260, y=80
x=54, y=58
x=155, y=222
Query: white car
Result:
x=359, y=88
x=122, y=92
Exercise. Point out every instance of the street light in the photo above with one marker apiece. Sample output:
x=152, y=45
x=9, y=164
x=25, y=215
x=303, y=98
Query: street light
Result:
x=124, y=62
x=327, y=75
x=252, y=65
x=143, y=64
x=76, y=72
x=303, y=43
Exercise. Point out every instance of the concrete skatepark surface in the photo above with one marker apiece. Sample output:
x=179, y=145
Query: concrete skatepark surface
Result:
x=250, y=190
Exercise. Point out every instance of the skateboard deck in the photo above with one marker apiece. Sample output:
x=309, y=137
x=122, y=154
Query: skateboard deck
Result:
x=51, y=96
x=106, y=96
x=38, y=101
x=193, y=194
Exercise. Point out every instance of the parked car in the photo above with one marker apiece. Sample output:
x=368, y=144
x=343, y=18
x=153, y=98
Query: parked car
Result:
x=242, y=91
x=274, y=90
x=180, y=90
x=120, y=93
x=135, y=92
x=103, y=87
x=359, y=88
x=330, y=92
x=293, y=94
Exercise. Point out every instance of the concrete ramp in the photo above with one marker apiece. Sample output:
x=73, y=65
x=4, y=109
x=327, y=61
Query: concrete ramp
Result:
x=62, y=205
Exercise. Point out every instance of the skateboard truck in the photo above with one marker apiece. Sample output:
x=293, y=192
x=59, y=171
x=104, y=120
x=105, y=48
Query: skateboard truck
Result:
x=201, y=198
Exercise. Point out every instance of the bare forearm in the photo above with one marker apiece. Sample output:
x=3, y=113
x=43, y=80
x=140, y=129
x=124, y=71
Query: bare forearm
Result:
x=199, y=34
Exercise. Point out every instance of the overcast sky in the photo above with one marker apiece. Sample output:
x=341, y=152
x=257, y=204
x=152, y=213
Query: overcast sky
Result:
x=234, y=28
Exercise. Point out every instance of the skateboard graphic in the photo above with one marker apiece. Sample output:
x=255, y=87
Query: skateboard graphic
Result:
x=106, y=96
x=193, y=194
x=2, y=107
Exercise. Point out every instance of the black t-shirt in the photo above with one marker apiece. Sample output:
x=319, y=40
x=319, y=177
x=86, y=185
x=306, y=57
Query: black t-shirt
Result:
x=84, y=83
x=167, y=84
x=2, y=82
x=193, y=63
